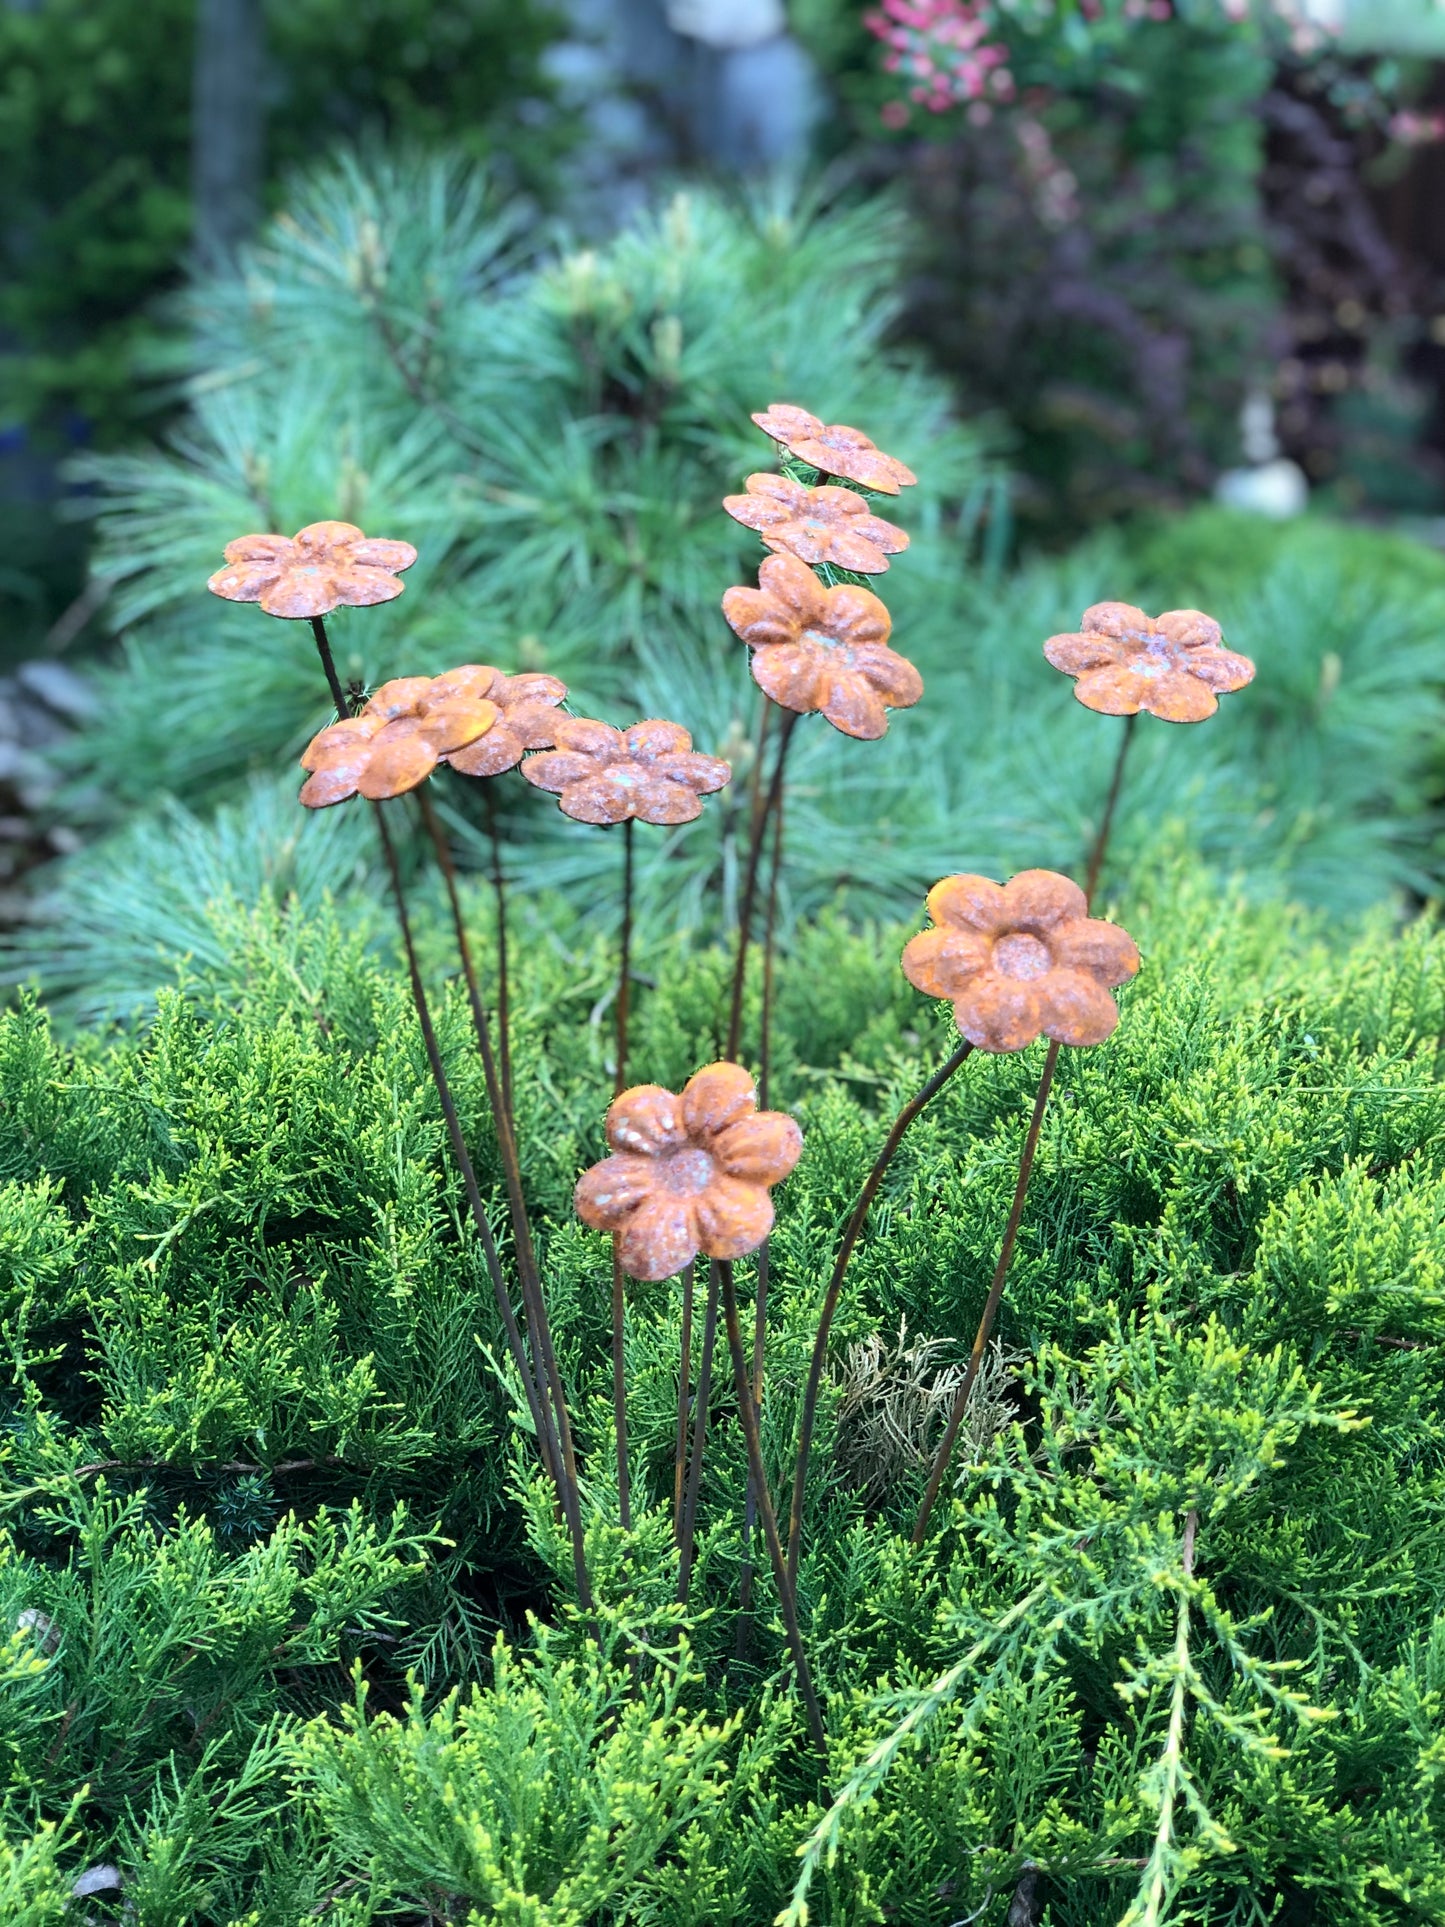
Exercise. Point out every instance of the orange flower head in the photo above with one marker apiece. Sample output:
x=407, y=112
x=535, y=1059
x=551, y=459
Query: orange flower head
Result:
x=1172, y=665
x=689, y=1173
x=1020, y=958
x=834, y=449
x=325, y=566
x=528, y=720
x=406, y=729
x=822, y=649
x=816, y=524
x=605, y=775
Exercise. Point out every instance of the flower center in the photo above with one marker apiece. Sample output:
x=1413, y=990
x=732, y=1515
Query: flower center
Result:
x=1020, y=955
x=627, y=776
x=686, y=1173
x=830, y=643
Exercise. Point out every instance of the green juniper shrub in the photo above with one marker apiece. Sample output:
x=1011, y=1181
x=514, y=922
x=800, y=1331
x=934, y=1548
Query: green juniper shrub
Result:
x=1226, y=1299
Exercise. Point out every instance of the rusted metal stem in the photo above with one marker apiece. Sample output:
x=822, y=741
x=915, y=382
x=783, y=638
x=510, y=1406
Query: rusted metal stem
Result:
x=750, y=884
x=504, y=1000
x=619, y=1294
x=760, y=1307
x=851, y=1232
x=566, y=1487
x=506, y=1137
x=684, y=1382
x=991, y=1304
x=701, y=1396
x=787, y=1597
x=328, y=664
x=1101, y=841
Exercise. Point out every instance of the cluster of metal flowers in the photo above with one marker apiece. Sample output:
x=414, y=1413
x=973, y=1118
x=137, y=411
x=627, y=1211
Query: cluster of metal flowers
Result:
x=692, y=1172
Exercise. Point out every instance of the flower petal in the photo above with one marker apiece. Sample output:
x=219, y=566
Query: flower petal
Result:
x=782, y=489
x=969, y=903
x=500, y=749
x=762, y=1148
x=473, y=681
x=854, y=616
x=732, y=1217
x=853, y=705
x=608, y=1194
x=1191, y=628
x=704, y=774
x=1076, y=654
x=533, y=722
x=243, y=581
x=647, y=1120
x=397, y=763
x=1178, y=697
x=1000, y=1013
x=1116, y=619
x=940, y=962
x=793, y=583
x=1113, y=691
x=259, y=548
x=783, y=420
x=590, y=738
x=558, y=769
x=1036, y=900
x=892, y=675
x=531, y=686
x=660, y=1238
x=452, y=724
x=793, y=674
x=653, y=738
x=717, y=1096
x=374, y=554
x=363, y=588
x=301, y=591
x=851, y=549
x=761, y=620
x=402, y=696
x=1222, y=669
x=317, y=537
x=330, y=785
x=1101, y=950
x=1077, y=1010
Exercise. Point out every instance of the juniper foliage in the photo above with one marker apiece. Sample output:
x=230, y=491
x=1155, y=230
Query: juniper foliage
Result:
x=267, y=1499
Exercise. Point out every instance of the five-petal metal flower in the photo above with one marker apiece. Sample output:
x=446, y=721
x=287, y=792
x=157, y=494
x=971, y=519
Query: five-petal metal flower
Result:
x=834, y=448
x=325, y=566
x=816, y=524
x=529, y=718
x=1172, y=665
x=822, y=649
x=406, y=729
x=689, y=1173
x=606, y=775
x=1020, y=958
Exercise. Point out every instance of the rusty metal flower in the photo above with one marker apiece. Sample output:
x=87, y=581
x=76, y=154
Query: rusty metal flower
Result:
x=816, y=524
x=529, y=717
x=834, y=448
x=605, y=775
x=1172, y=665
x=822, y=649
x=689, y=1173
x=325, y=566
x=1019, y=958
x=406, y=729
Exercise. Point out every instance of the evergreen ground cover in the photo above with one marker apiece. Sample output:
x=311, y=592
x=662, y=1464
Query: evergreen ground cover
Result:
x=262, y=1468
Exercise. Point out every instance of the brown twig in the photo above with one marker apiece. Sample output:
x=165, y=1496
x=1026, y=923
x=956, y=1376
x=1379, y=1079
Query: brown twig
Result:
x=756, y=835
x=328, y=664
x=995, y=1294
x=787, y=1598
x=504, y=1000
x=851, y=1232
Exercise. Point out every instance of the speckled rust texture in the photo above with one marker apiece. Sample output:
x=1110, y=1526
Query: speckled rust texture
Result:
x=834, y=448
x=1173, y=666
x=325, y=566
x=605, y=775
x=406, y=729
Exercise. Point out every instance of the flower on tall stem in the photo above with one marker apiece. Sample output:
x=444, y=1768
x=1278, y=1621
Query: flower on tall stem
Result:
x=1174, y=665
x=650, y=772
x=1020, y=959
x=409, y=726
x=833, y=526
x=689, y=1173
x=817, y=649
x=834, y=449
x=325, y=566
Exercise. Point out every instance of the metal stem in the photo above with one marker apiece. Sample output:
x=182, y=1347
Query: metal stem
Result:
x=699, y=1439
x=684, y=1381
x=991, y=1305
x=504, y=1001
x=619, y=1296
x=750, y=885
x=1101, y=841
x=333, y=681
x=851, y=1232
x=787, y=1598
